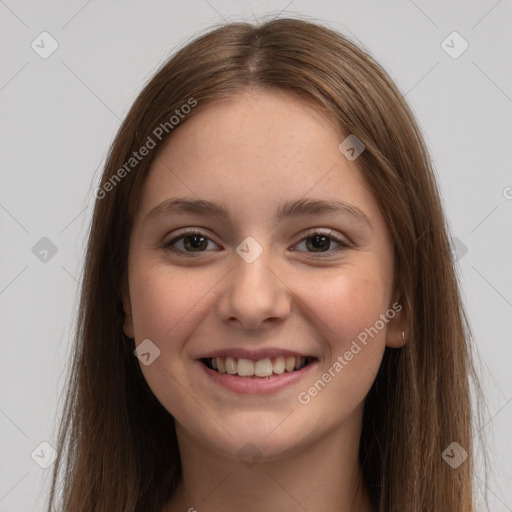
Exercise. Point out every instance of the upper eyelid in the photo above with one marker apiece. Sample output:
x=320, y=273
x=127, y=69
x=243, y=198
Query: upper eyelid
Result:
x=188, y=232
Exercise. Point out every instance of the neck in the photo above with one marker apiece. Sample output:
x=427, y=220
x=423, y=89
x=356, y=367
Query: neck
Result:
x=320, y=476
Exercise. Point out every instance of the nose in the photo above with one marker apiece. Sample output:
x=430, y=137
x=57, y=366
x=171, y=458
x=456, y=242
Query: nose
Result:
x=254, y=295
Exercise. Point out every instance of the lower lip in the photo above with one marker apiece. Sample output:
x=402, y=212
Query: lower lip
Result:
x=257, y=385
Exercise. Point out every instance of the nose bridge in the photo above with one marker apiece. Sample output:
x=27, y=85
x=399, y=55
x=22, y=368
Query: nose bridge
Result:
x=254, y=292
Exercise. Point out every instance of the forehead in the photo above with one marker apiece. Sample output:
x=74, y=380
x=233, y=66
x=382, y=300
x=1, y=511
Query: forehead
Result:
x=256, y=148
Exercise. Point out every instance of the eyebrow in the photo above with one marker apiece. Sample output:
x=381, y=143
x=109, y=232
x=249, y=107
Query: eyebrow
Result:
x=286, y=210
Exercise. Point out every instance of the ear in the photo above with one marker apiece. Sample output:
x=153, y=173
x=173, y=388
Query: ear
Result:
x=398, y=323
x=127, y=306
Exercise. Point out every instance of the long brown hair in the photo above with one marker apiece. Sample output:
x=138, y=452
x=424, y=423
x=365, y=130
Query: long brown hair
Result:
x=117, y=447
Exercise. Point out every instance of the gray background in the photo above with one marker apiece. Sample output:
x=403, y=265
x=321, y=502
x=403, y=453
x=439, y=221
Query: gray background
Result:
x=60, y=114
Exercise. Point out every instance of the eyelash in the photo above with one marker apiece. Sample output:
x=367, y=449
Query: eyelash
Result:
x=310, y=234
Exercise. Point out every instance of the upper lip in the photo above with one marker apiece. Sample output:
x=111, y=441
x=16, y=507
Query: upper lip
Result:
x=255, y=355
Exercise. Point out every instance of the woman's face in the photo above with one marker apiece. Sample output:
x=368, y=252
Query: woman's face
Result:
x=250, y=271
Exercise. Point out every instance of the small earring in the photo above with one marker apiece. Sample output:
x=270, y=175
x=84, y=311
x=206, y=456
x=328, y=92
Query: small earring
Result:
x=403, y=336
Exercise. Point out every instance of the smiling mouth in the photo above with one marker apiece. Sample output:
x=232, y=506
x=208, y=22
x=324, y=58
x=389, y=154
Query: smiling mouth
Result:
x=264, y=368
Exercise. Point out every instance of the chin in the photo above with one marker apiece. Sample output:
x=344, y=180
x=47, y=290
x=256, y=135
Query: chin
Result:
x=256, y=438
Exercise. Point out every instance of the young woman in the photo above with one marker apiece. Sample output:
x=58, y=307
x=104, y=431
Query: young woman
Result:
x=270, y=318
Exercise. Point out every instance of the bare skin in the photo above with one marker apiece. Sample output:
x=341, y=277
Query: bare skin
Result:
x=252, y=153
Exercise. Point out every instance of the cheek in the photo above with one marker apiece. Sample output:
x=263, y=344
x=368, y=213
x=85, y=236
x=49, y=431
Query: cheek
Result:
x=349, y=316
x=348, y=312
x=348, y=306
x=168, y=306
x=166, y=302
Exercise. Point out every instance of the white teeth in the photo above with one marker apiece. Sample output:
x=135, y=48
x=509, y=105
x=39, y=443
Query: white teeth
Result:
x=278, y=365
x=230, y=365
x=245, y=367
x=290, y=364
x=262, y=368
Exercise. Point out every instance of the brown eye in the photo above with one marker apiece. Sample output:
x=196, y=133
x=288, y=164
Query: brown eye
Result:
x=189, y=242
x=320, y=242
